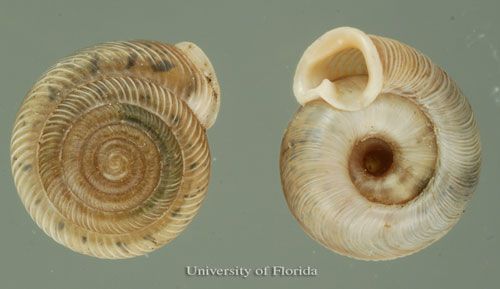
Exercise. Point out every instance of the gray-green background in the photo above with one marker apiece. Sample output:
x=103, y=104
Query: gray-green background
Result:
x=254, y=46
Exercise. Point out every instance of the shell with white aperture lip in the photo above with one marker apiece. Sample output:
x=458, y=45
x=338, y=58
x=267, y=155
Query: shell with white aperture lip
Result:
x=384, y=153
x=109, y=149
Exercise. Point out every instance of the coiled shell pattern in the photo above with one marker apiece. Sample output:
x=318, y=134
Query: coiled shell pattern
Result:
x=384, y=153
x=109, y=149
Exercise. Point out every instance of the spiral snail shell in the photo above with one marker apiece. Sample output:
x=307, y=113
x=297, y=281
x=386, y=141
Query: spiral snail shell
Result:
x=384, y=153
x=109, y=149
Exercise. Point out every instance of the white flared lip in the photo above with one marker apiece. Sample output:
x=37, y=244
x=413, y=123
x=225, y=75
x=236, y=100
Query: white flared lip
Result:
x=327, y=45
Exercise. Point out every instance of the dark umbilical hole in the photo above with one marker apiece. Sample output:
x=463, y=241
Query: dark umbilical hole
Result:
x=375, y=156
x=377, y=159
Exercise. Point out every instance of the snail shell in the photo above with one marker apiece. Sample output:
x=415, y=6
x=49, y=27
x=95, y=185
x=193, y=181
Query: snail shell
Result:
x=109, y=149
x=384, y=154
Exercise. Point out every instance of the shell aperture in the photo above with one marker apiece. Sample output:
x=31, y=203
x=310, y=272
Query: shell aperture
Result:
x=384, y=153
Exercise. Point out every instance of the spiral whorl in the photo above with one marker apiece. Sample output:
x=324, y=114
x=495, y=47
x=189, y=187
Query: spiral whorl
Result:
x=384, y=155
x=109, y=151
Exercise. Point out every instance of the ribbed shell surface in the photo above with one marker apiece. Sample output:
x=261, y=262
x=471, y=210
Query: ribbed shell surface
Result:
x=322, y=197
x=109, y=150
